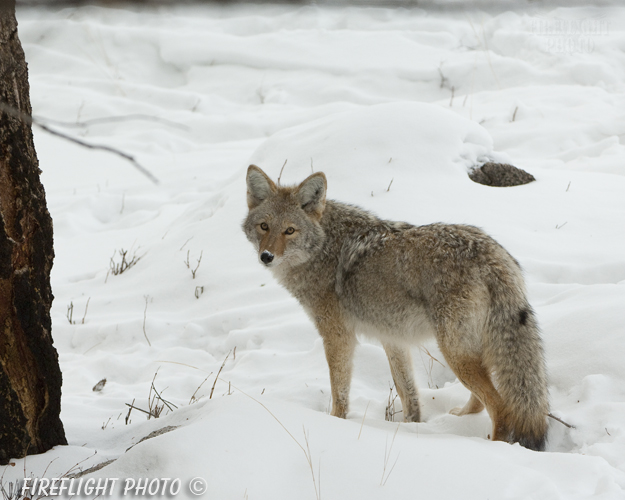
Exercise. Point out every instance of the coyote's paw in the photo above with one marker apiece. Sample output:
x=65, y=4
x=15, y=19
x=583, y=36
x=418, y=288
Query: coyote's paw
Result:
x=339, y=410
x=474, y=405
x=457, y=411
x=413, y=417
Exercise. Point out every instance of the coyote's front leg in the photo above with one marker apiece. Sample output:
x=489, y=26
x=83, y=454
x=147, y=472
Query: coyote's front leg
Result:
x=339, y=343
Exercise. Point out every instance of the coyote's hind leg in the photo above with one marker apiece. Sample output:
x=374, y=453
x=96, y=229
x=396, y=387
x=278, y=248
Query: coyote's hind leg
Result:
x=475, y=377
x=474, y=405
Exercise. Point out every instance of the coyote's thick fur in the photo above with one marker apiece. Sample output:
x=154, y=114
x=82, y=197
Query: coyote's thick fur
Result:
x=353, y=272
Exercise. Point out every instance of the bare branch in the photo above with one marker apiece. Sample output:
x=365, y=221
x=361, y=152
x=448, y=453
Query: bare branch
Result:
x=25, y=118
x=217, y=376
x=158, y=396
x=193, y=398
x=550, y=415
x=132, y=407
x=280, y=176
x=86, y=307
x=145, y=313
x=111, y=119
x=100, y=147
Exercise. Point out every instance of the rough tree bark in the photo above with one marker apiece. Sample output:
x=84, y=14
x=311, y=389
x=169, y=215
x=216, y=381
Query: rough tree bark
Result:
x=30, y=377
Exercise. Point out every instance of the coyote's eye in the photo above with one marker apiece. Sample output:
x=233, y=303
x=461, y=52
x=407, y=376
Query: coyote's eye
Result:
x=264, y=226
x=289, y=230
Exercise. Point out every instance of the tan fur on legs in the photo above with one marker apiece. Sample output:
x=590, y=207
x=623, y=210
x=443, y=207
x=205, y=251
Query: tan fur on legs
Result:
x=475, y=377
x=339, y=343
x=400, y=361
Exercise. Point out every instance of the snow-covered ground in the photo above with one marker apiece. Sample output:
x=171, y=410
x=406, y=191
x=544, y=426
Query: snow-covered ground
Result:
x=394, y=105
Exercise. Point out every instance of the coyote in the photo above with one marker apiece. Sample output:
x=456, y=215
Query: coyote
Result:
x=353, y=272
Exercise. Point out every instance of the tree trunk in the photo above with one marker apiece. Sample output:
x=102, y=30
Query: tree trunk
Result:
x=30, y=377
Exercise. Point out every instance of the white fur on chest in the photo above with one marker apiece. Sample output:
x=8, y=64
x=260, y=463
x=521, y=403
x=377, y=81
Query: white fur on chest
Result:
x=414, y=329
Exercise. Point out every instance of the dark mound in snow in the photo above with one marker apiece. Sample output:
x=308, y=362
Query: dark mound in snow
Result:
x=500, y=175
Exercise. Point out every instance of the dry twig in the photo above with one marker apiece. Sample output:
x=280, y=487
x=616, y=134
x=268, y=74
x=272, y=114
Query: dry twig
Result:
x=280, y=176
x=29, y=120
x=387, y=456
x=217, y=376
x=561, y=421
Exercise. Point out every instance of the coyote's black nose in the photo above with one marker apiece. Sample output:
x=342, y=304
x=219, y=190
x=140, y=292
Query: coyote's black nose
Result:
x=266, y=257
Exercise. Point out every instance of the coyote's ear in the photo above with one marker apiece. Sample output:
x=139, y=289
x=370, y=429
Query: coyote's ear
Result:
x=312, y=194
x=259, y=186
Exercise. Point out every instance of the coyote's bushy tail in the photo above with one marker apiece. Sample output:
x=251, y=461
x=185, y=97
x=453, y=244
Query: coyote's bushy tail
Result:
x=516, y=355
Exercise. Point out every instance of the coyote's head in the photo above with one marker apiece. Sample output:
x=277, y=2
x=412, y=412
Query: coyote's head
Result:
x=283, y=222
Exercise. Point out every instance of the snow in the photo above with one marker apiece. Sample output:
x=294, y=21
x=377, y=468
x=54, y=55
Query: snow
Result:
x=394, y=105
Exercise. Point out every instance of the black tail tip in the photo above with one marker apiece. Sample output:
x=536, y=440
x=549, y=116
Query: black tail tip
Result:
x=535, y=443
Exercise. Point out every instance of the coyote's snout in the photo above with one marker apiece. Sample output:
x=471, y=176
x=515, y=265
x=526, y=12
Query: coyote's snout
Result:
x=266, y=257
x=353, y=272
